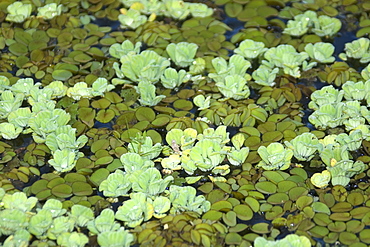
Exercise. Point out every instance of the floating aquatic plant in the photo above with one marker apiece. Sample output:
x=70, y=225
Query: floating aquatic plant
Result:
x=320, y=52
x=182, y=54
x=308, y=21
x=304, y=146
x=274, y=157
x=18, y=12
x=250, y=49
x=49, y=11
x=131, y=18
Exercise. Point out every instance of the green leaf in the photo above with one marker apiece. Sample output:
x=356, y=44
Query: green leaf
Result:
x=250, y=49
x=274, y=157
x=82, y=215
x=185, y=199
x=40, y=222
x=18, y=12
x=120, y=237
x=19, y=201
x=149, y=182
x=103, y=223
x=116, y=184
x=136, y=210
x=72, y=239
x=182, y=54
x=49, y=11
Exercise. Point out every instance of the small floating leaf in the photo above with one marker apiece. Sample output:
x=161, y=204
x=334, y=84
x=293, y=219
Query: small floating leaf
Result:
x=62, y=191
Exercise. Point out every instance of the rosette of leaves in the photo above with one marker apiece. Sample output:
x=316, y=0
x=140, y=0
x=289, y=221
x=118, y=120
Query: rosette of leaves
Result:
x=101, y=86
x=147, y=94
x=287, y=58
x=17, y=201
x=320, y=52
x=64, y=137
x=357, y=49
x=161, y=205
x=103, y=223
x=250, y=49
x=81, y=89
x=176, y=9
x=145, y=6
x=202, y=102
x=218, y=135
x=25, y=86
x=326, y=26
x=264, y=76
x=147, y=66
x=12, y=220
x=234, y=86
x=172, y=162
x=205, y=155
x=353, y=110
x=47, y=121
x=343, y=170
x=326, y=95
x=304, y=146
x=20, y=238
x=72, y=239
x=60, y=225
x=136, y=210
x=327, y=115
x=238, y=154
x=237, y=65
x=356, y=90
x=356, y=123
x=182, y=54
x=49, y=11
x=289, y=240
x=131, y=18
x=126, y=48
x=117, y=184
x=200, y=10
x=184, y=139
x=41, y=96
x=334, y=152
x=149, y=182
x=132, y=162
x=301, y=23
x=185, y=199
x=64, y=160
x=297, y=27
x=352, y=141
x=55, y=207
x=81, y=214
x=58, y=89
x=40, y=223
x=274, y=157
x=120, y=237
x=172, y=78
x=9, y=102
x=321, y=180
x=323, y=26
x=143, y=145
x=10, y=131
x=18, y=12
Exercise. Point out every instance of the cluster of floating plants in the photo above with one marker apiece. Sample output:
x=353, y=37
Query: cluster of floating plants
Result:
x=160, y=123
